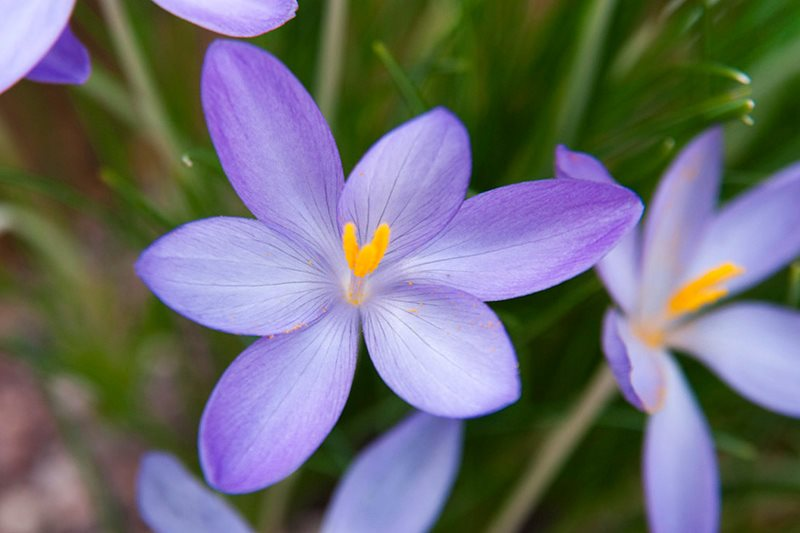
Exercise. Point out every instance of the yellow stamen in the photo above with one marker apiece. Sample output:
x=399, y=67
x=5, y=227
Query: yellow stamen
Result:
x=365, y=262
x=381, y=242
x=703, y=290
x=350, y=244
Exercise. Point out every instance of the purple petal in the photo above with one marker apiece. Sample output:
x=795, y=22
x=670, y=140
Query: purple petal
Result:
x=277, y=402
x=680, y=467
x=580, y=166
x=237, y=275
x=400, y=482
x=28, y=29
x=66, y=62
x=171, y=500
x=757, y=231
x=235, y=18
x=441, y=350
x=414, y=179
x=639, y=369
x=755, y=347
x=682, y=205
x=619, y=269
x=523, y=238
x=273, y=142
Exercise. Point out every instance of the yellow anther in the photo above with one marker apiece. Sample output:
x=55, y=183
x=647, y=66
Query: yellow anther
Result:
x=364, y=260
x=350, y=244
x=703, y=290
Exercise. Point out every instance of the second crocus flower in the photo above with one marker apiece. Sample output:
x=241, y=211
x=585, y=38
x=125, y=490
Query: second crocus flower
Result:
x=665, y=281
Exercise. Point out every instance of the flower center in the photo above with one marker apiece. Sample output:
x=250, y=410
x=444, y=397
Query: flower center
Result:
x=692, y=296
x=703, y=290
x=363, y=260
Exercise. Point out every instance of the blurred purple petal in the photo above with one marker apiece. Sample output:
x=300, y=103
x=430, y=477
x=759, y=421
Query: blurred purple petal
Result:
x=273, y=142
x=441, y=350
x=638, y=368
x=66, y=62
x=237, y=275
x=680, y=466
x=235, y=18
x=277, y=402
x=400, y=482
x=580, y=166
x=171, y=500
x=755, y=347
x=28, y=30
x=759, y=231
x=523, y=238
x=682, y=205
x=414, y=179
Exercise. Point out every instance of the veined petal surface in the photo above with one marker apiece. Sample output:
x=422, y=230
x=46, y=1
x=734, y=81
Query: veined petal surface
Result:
x=526, y=237
x=400, y=482
x=237, y=275
x=414, y=179
x=638, y=368
x=172, y=500
x=235, y=18
x=680, y=467
x=28, y=29
x=682, y=206
x=758, y=231
x=754, y=347
x=66, y=62
x=277, y=402
x=441, y=350
x=273, y=142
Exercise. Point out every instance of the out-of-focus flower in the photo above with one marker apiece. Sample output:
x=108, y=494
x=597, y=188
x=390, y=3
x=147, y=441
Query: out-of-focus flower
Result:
x=399, y=483
x=690, y=255
x=36, y=41
x=396, y=249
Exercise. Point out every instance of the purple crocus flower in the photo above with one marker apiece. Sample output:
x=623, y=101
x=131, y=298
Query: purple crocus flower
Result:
x=690, y=255
x=396, y=250
x=37, y=43
x=399, y=483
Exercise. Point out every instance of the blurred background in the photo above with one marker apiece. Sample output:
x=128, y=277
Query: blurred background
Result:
x=94, y=370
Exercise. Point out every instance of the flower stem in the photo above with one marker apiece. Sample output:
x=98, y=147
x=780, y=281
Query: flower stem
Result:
x=276, y=504
x=146, y=99
x=557, y=448
x=331, y=57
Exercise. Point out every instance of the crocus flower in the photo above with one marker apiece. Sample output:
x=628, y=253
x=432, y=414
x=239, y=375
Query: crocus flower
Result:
x=36, y=41
x=664, y=280
x=396, y=250
x=399, y=483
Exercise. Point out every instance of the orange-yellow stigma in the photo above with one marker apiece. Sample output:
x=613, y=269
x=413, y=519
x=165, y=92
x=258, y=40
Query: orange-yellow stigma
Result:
x=365, y=259
x=703, y=290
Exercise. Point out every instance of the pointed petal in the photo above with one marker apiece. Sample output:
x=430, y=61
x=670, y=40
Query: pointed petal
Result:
x=441, y=350
x=66, y=62
x=171, y=500
x=526, y=237
x=400, y=482
x=277, y=402
x=235, y=18
x=273, y=142
x=619, y=269
x=755, y=347
x=580, y=166
x=757, y=231
x=236, y=275
x=638, y=368
x=414, y=179
x=27, y=31
x=681, y=207
x=680, y=466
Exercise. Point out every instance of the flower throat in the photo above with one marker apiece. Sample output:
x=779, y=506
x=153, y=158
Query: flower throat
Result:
x=363, y=260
